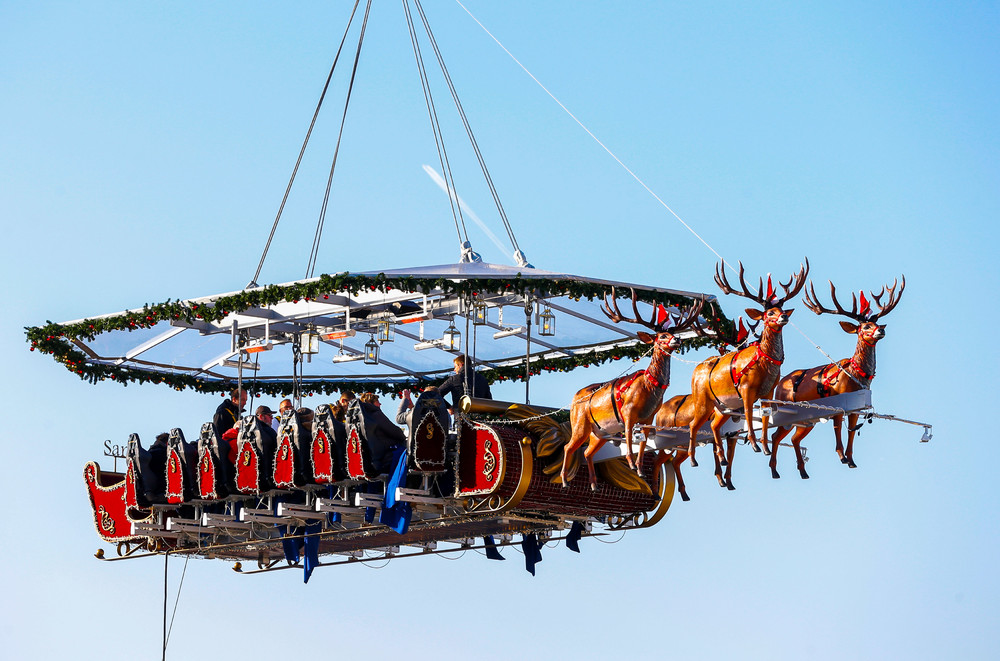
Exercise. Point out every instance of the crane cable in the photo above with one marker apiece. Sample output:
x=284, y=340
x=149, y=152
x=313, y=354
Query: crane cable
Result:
x=314, y=253
x=305, y=142
x=456, y=210
x=468, y=127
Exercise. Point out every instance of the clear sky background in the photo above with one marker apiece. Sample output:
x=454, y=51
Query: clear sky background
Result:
x=145, y=147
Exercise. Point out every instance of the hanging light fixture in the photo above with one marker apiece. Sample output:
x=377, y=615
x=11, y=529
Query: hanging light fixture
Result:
x=309, y=341
x=452, y=339
x=371, y=352
x=386, y=330
x=480, y=313
x=547, y=323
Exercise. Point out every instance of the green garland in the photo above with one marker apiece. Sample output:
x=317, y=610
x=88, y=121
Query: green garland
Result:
x=57, y=339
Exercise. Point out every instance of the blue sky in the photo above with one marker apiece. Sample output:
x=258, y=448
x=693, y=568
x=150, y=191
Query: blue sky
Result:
x=145, y=149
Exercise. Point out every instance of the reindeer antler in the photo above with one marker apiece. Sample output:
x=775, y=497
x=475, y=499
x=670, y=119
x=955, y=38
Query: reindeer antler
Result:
x=893, y=299
x=768, y=299
x=610, y=309
x=681, y=321
x=865, y=313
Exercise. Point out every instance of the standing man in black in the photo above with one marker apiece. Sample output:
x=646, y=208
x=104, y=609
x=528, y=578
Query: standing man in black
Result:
x=228, y=414
x=456, y=384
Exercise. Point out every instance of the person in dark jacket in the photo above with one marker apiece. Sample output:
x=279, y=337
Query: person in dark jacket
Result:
x=456, y=384
x=228, y=414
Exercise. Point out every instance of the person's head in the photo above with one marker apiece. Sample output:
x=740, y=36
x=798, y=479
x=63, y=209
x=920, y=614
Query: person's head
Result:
x=346, y=397
x=459, y=362
x=338, y=411
x=239, y=396
x=285, y=407
x=370, y=398
x=161, y=439
x=264, y=414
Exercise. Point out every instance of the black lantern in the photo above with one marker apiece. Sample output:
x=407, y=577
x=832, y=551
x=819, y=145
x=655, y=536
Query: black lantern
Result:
x=480, y=316
x=371, y=352
x=547, y=323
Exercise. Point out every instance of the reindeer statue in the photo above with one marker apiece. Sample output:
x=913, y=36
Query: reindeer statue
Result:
x=848, y=375
x=677, y=412
x=602, y=410
x=739, y=378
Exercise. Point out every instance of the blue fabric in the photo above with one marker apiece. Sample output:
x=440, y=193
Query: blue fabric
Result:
x=532, y=551
x=397, y=514
x=310, y=546
x=573, y=538
x=491, y=549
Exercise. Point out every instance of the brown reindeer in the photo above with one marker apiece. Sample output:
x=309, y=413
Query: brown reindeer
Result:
x=739, y=378
x=602, y=410
x=677, y=412
x=848, y=375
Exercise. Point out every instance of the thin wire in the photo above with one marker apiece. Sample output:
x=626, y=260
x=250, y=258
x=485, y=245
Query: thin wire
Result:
x=456, y=210
x=590, y=133
x=177, y=601
x=468, y=127
x=302, y=151
x=311, y=267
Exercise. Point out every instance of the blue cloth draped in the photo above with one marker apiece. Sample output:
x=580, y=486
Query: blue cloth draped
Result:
x=397, y=514
x=491, y=549
x=532, y=551
x=573, y=538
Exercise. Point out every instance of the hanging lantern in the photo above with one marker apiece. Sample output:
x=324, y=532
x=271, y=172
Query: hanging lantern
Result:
x=371, y=352
x=309, y=342
x=386, y=330
x=480, y=316
x=452, y=339
x=547, y=323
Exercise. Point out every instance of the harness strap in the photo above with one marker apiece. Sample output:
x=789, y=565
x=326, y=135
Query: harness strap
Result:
x=758, y=354
x=860, y=372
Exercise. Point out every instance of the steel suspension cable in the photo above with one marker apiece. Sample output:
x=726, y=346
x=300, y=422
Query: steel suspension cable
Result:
x=456, y=210
x=302, y=151
x=468, y=127
x=317, y=237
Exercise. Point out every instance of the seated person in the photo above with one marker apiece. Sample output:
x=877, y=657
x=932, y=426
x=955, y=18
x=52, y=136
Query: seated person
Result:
x=380, y=434
x=265, y=415
x=306, y=420
x=406, y=409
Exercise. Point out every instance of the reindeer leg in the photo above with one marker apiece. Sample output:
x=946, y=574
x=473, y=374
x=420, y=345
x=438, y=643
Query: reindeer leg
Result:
x=580, y=433
x=642, y=449
x=729, y=468
x=852, y=423
x=800, y=461
x=595, y=445
x=717, y=421
x=838, y=424
x=679, y=457
x=779, y=434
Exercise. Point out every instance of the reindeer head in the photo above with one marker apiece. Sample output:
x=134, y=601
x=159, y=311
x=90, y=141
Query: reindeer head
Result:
x=663, y=322
x=773, y=314
x=867, y=329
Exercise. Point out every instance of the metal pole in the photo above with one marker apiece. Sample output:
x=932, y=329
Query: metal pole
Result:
x=527, y=355
x=166, y=557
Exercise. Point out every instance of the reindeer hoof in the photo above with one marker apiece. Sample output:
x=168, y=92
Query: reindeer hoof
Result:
x=685, y=497
x=843, y=460
x=694, y=463
x=638, y=471
x=756, y=448
x=851, y=464
x=729, y=485
x=805, y=475
x=767, y=451
x=722, y=482
x=774, y=474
